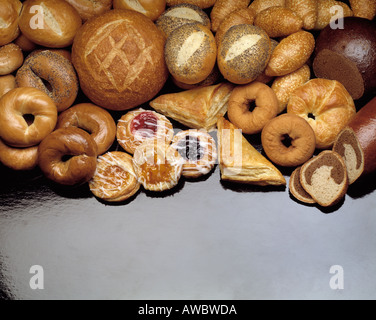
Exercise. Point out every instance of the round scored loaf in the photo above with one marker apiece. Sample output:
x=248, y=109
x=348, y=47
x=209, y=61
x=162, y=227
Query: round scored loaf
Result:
x=119, y=58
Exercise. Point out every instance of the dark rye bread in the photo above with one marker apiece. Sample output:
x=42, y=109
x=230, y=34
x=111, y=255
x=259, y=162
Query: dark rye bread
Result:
x=296, y=189
x=324, y=177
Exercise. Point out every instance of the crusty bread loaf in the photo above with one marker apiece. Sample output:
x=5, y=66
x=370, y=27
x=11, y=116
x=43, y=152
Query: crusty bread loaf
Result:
x=119, y=58
x=324, y=177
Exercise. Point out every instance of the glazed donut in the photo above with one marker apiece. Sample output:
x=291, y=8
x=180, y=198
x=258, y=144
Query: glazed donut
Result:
x=49, y=23
x=18, y=158
x=93, y=119
x=11, y=58
x=79, y=148
x=114, y=179
x=288, y=140
x=9, y=15
x=27, y=116
x=150, y=8
x=158, y=165
x=251, y=122
x=139, y=125
x=51, y=73
x=198, y=150
x=90, y=8
x=7, y=83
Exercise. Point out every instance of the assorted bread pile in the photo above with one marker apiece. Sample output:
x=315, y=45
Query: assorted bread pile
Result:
x=121, y=94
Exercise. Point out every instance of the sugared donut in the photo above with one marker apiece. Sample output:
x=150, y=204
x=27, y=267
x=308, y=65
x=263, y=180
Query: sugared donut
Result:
x=239, y=113
x=51, y=73
x=18, y=158
x=198, y=150
x=93, y=119
x=288, y=140
x=68, y=156
x=139, y=125
x=11, y=58
x=114, y=179
x=27, y=116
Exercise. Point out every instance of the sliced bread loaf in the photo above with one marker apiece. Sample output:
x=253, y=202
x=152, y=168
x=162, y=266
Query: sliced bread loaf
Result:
x=296, y=189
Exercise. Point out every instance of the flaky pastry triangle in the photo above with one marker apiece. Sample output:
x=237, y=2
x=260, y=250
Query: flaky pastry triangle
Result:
x=198, y=108
x=239, y=161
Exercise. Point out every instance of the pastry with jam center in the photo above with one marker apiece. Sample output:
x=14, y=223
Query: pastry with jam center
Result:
x=140, y=125
x=198, y=150
x=114, y=179
x=158, y=165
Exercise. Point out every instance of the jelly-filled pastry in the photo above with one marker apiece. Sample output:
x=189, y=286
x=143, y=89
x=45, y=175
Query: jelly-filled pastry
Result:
x=198, y=151
x=139, y=125
x=158, y=165
x=114, y=179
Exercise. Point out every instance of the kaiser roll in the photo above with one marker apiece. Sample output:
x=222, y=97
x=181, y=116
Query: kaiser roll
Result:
x=119, y=58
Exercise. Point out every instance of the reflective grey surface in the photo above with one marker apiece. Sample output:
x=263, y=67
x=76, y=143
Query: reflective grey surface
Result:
x=204, y=240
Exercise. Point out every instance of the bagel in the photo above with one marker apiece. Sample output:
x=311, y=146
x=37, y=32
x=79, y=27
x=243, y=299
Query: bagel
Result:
x=11, y=58
x=18, y=158
x=266, y=101
x=7, y=83
x=93, y=119
x=288, y=140
x=51, y=73
x=27, y=116
x=75, y=144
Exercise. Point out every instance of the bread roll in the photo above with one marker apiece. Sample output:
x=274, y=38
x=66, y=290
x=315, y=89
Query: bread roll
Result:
x=119, y=58
x=150, y=8
x=25, y=44
x=363, y=8
x=203, y=4
x=7, y=83
x=11, y=58
x=325, y=12
x=190, y=53
x=9, y=12
x=50, y=23
x=90, y=8
x=179, y=15
x=243, y=53
x=306, y=9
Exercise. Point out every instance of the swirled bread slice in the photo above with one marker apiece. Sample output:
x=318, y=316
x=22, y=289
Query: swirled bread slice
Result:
x=240, y=162
x=296, y=189
x=325, y=179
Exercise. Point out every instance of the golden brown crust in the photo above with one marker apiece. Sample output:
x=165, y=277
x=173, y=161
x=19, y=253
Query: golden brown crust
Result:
x=203, y=4
x=198, y=108
x=363, y=8
x=325, y=12
x=150, y=8
x=240, y=162
x=25, y=44
x=19, y=102
x=93, y=119
x=7, y=83
x=9, y=17
x=288, y=140
x=260, y=5
x=137, y=126
x=11, y=58
x=296, y=189
x=54, y=26
x=75, y=143
x=18, y=158
x=199, y=151
x=48, y=66
x=119, y=58
x=251, y=122
x=114, y=179
x=307, y=10
x=88, y=9
x=326, y=105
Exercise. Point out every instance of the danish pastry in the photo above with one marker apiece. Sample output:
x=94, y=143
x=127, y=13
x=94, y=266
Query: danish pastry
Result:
x=158, y=165
x=114, y=179
x=198, y=150
x=139, y=125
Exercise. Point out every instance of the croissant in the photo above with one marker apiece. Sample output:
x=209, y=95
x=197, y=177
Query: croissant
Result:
x=222, y=8
x=306, y=9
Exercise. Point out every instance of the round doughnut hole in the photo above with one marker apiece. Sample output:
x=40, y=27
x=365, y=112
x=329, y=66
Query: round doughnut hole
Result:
x=47, y=85
x=311, y=116
x=286, y=141
x=66, y=157
x=29, y=118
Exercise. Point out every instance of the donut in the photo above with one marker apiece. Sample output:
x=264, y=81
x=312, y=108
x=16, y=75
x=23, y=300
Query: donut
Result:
x=49, y=23
x=158, y=165
x=139, y=125
x=27, y=116
x=93, y=119
x=68, y=156
x=18, y=158
x=9, y=16
x=11, y=58
x=198, y=150
x=51, y=73
x=266, y=108
x=7, y=83
x=150, y=8
x=190, y=53
x=326, y=105
x=114, y=179
x=288, y=140
x=90, y=8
